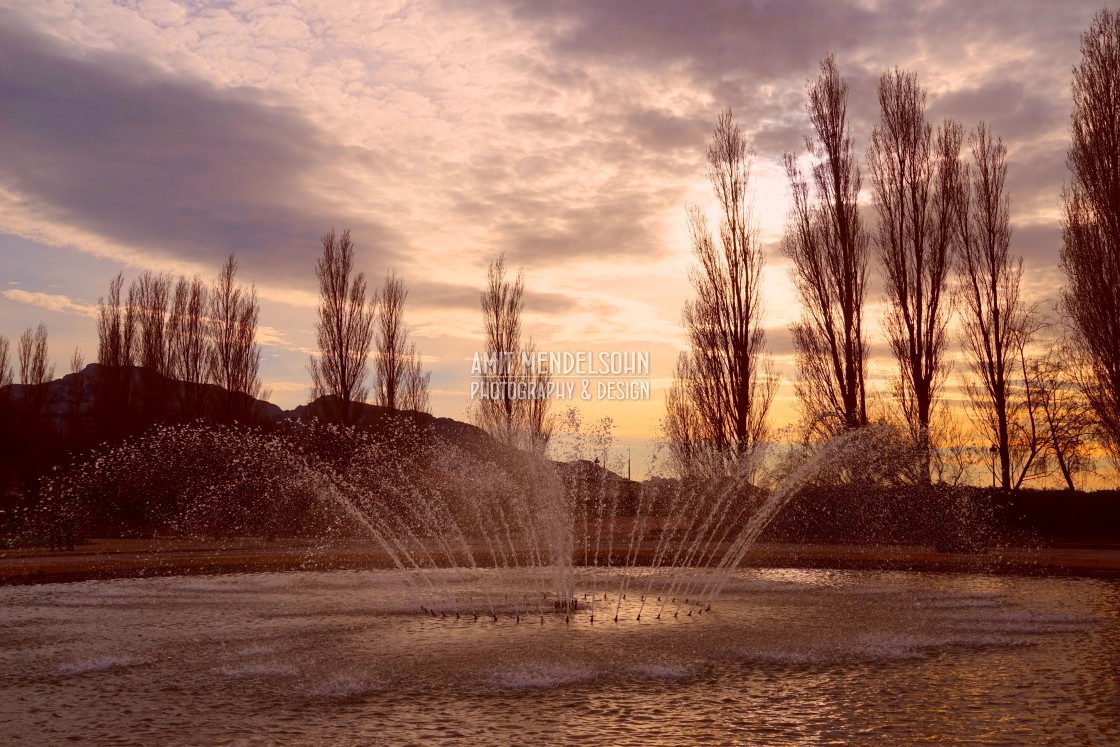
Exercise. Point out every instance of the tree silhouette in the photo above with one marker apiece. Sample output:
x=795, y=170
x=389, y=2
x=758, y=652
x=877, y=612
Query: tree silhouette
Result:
x=35, y=372
x=188, y=344
x=913, y=173
x=723, y=387
x=149, y=298
x=235, y=357
x=521, y=421
x=5, y=362
x=995, y=323
x=400, y=382
x=116, y=335
x=344, y=329
x=1090, y=254
x=829, y=247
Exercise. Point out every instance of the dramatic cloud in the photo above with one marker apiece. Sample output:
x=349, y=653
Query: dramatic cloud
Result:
x=568, y=135
x=110, y=145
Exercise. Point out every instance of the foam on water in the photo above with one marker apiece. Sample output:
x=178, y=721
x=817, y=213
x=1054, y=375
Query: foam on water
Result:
x=256, y=650
x=68, y=601
x=96, y=664
x=341, y=686
x=537, y=675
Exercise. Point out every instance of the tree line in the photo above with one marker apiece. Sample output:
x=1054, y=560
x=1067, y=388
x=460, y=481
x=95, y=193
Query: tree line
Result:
x=350, y=323
x=1043, y=394
x=173, y=349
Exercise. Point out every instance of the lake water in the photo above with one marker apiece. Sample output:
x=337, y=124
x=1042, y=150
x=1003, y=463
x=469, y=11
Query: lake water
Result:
x=784, y=657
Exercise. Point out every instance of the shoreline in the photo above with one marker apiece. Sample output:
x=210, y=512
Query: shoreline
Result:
x=113, y=559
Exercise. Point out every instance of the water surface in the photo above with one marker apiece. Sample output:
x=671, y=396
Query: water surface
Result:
x=785, y=657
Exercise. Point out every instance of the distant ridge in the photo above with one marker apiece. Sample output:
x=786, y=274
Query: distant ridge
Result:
x=73, y=397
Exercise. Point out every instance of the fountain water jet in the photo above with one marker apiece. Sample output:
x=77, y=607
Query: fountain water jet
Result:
x=512, y=534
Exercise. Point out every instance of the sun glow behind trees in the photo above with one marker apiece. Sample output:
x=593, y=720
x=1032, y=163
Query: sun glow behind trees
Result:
x=607, y=306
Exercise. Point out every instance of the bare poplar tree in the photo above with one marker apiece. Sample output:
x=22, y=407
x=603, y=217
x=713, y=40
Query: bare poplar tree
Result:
x=1068, y=418
x=188, y=344
x=502, y=304
x=915, y=176
x=400, y=381
x=392, y=341
x=518, y=421
x=35, y=370
x=994, y=319
x=416, y=384
x=74, y=393
x=538, y=420
x=1090, y=254
x=344, y=329
x=116, y=334
x=234, y=355
x=690, y=454
x=829, y=248
x=5, y=382
x=34, y=366
x=149, y=297
x=5, y=362
x=115, y=328
x=152, y=297
x=727, y=385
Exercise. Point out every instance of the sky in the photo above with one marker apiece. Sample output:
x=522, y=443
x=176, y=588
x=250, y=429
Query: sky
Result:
x=570, y=136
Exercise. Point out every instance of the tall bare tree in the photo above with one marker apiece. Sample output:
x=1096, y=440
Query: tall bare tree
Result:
x=188, y=344
x=502, y=304
x=1070, y=422
x=35, y=371
x=521, y=421
x=149, y=297
x=344, y=329
x=724, y=384
x=400, y=381
x=994, y=319
x=915, y=175
x=5, y=392
x=74, y=394
x=681, y=426
x=829, y=248
x=1090, y=254
x=116, y=353
x=392, y=341
x=116, y=327
x=34, y=366
x=416, y=384
x=235, y=357
x=5, y=362
x=539, y=422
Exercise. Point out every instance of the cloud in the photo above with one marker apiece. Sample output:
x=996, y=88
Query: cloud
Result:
x=52, y=302
x=569, y=135
x=112, y=146
x=274, y=337
x=432, y=294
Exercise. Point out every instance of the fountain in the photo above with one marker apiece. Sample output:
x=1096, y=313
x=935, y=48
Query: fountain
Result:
x=491, y=613
x=512, y=534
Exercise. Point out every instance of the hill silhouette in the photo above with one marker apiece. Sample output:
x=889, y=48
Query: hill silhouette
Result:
x=44, y=428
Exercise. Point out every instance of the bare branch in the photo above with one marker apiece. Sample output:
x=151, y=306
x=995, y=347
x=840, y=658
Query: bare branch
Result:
x=724, y=384
x=829, y=248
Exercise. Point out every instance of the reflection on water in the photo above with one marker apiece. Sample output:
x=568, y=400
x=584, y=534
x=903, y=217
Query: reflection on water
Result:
x=788, y=657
